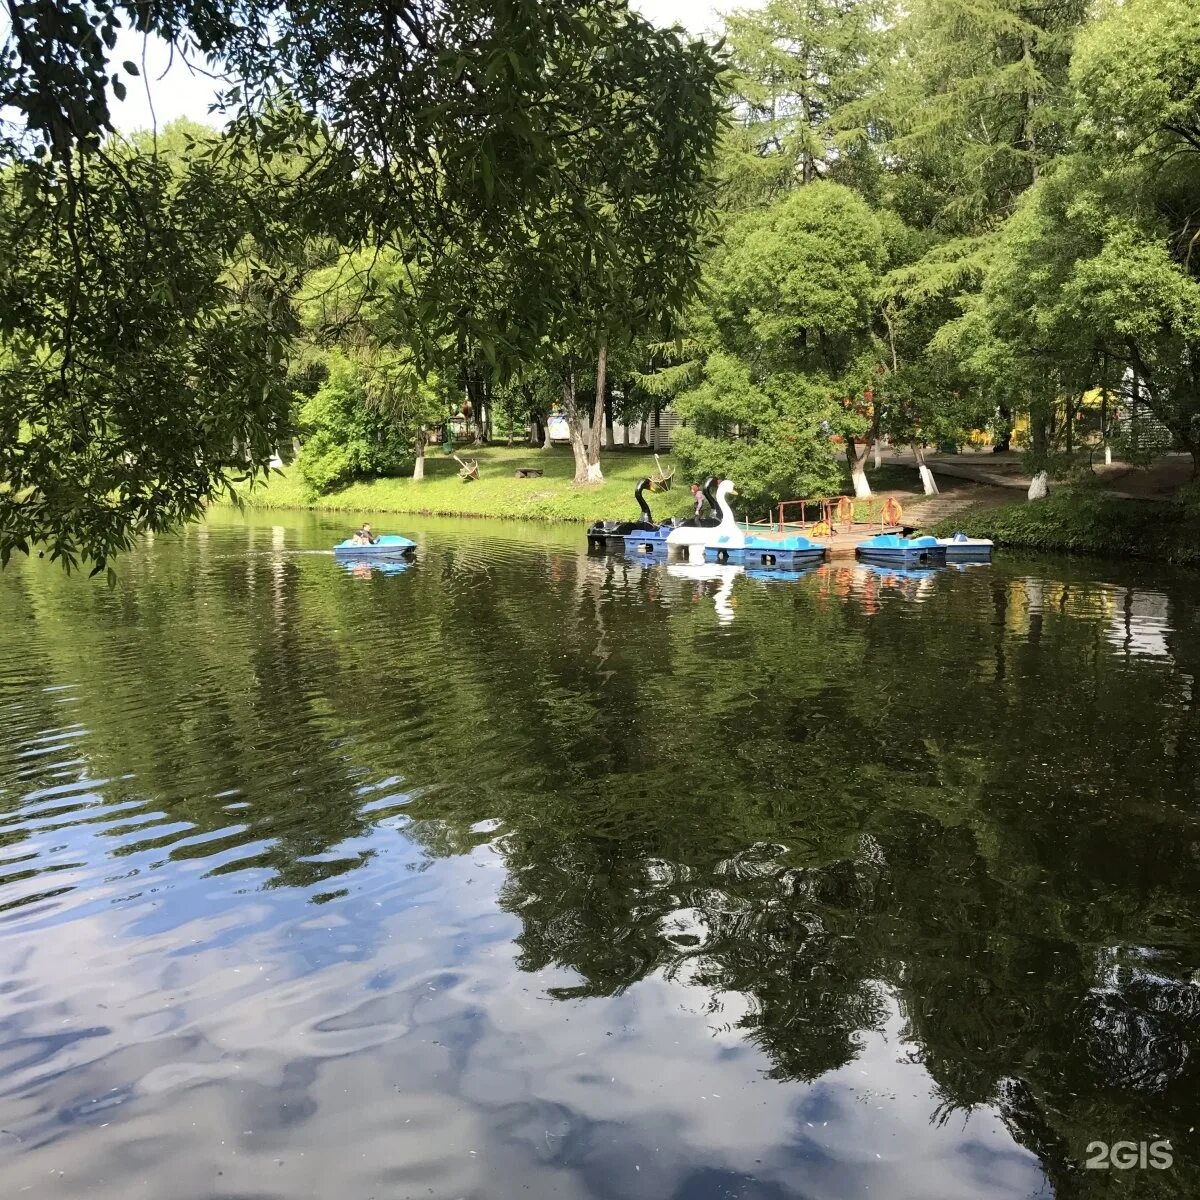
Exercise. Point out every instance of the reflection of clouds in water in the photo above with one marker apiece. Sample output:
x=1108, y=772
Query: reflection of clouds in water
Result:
x=386, y=1043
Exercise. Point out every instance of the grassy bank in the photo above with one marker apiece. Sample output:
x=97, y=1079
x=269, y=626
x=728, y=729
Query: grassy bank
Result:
x=1087, y=521
x=498, y=493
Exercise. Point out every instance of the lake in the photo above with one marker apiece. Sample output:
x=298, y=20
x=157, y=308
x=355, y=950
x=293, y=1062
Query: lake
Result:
x=525, y=873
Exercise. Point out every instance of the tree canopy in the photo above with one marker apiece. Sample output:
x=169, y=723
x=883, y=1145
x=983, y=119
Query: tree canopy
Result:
x=849, y=220
x=542, y=140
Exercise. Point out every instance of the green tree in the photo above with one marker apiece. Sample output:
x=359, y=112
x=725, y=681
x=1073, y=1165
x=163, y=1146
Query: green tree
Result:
x=802, y=73
x=142, y=346
x=1093, y=276
x=977, y=103
x=785, y=328
x=346, y=433
x=443, y=128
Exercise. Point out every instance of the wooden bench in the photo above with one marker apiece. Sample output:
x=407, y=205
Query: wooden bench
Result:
x=530, y=472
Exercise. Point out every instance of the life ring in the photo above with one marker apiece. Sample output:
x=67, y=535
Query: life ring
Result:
x=820, y=529
x=891, y=512
x=845, y=509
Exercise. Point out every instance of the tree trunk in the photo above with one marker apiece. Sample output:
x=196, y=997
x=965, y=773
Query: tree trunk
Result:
x=575, y=422
x=1039, y=436
x=594, y=474
x=1005, y=441
x=610, y=438
x=475, y=396
x=928, y=483
x=419, y=461
x=1134, y=414
x=1104, y=413
x=878, y=455
x=857, y=461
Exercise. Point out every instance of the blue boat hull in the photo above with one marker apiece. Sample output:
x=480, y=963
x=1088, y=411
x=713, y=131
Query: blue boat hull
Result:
x=647, y=541
x=389, y=546
x=963, y=549
x=759, y=556
x=904, y=558
x=893, y=549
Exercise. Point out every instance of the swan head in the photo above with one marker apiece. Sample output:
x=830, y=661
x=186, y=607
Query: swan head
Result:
x=726, y=489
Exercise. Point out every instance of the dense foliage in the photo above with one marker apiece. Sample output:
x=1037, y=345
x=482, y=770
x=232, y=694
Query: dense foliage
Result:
x=855, y=220
x=1028, y=173
x=1089, y=521
x=539, y=164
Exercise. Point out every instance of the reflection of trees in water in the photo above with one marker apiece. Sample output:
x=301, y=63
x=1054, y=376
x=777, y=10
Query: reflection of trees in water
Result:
x=804, y=809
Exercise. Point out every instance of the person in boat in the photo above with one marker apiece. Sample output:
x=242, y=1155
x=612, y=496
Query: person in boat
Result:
x=707, y=498
x=364, y=536
x=697, y=501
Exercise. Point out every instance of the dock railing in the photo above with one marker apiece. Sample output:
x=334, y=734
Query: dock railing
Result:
x=822, y=516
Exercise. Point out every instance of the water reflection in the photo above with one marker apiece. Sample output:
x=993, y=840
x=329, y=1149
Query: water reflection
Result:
x=366, y=568
x=587, y=877
x=703, y=573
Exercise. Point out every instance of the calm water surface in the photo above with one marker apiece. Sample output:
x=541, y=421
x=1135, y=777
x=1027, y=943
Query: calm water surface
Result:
x=523, y=873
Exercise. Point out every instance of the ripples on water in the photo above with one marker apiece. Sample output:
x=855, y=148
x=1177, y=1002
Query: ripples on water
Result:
x=519, y=872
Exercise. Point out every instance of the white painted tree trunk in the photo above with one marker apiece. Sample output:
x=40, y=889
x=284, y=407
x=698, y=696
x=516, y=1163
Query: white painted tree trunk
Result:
x=1108, y=456
x=575, y=423
x=419, y=461
x=857, y=461
x=1039, y=486
x=878, y=456
x=599, y=436
x=858, y=475
x=927, y=480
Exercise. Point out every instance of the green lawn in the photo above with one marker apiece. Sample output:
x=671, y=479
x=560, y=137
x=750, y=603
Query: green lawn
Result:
x=498, y=493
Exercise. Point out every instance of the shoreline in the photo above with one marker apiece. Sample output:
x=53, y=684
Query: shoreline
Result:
x=1090, y=522
x=1081, y=520
x=498, y=494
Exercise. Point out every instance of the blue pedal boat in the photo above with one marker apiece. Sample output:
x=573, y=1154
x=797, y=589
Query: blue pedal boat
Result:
x=765, y=549
x=894, y=549
x=961, y=548
x=388, y=545
x=647, y=541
